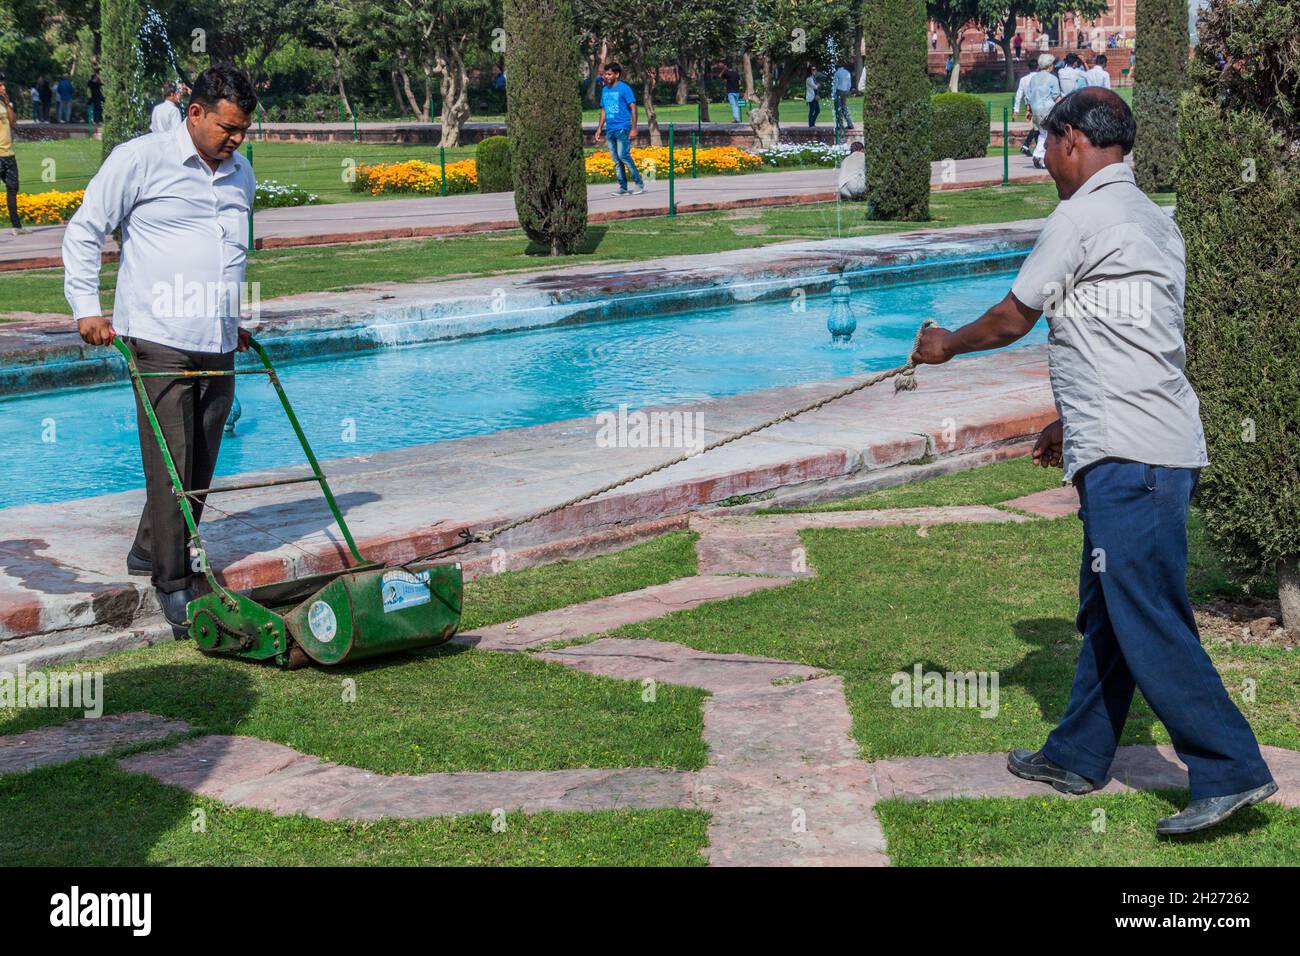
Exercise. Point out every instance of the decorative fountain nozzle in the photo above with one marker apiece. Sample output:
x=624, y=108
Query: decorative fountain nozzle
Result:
x=841, y=322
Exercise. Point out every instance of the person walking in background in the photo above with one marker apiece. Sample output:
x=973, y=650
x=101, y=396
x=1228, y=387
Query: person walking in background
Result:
x=1042, y=93
x=35, y=95
x=842, y=85
x=64, y=90
x=732, y=79
x=47, y=97
x=1016, y=43
x=166, y=114
x=934, y=39
x=810, y=96
x=96, y=89
x=1130, y=438
x=1022, y=91
x=618, y=122
x=1097, y=75
x=182, y=198
x=8, y=161
x=1070, y=76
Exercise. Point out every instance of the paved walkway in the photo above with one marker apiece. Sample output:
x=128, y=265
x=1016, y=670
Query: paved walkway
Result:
x=784, y=784
x=477, y=212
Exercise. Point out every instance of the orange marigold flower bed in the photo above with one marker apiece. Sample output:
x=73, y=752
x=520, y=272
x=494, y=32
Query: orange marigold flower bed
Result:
x=48, y=208
x=415, y=176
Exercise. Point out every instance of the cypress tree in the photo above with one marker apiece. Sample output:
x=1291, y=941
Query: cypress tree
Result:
x=1159, y=77
x=896, y=121
x=126, y=106
x=544, y=123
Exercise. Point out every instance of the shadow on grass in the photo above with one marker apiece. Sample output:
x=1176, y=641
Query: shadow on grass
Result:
x=89, y=811
x=590, y=243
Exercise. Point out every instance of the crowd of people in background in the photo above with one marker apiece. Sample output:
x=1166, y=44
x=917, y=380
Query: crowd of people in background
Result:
x=52, y=102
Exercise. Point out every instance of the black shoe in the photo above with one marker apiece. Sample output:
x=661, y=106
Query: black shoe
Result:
x=1032, y=765
x=1209, y=811
x=137, y=564
x=1028, y=151
x=1038, y=164
x=174, y=606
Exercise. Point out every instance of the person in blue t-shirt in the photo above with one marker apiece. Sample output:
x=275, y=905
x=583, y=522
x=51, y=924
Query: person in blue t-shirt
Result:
x=618, y=122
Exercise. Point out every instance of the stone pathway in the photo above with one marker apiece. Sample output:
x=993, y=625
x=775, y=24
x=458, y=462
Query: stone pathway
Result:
x=784, y=784
x=82, y=738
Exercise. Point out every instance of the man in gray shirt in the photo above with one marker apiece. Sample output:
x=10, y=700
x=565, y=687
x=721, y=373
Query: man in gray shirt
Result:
x=1108, y=270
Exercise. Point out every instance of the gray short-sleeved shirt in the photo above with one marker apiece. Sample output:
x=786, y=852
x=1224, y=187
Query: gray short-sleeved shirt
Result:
x=1108, y=270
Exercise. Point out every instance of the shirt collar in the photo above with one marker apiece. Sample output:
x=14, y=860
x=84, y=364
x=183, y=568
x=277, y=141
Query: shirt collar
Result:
x=1114, y=173
x=187, y=151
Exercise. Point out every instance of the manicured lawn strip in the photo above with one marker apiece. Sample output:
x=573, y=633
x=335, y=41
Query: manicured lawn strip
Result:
x=963, y=598
x=1051, y=831
x=336, y=268
x=989, y=485
x=444, y=709
x=91, y=813
x=514, y=594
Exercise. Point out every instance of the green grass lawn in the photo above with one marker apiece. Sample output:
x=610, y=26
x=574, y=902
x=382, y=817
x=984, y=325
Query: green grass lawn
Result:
x=90, y=813
x=337, y=268
x=1051, y=831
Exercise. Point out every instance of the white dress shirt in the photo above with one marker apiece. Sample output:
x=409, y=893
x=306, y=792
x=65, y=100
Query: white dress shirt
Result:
x=184, y=232
x=843, y=80
x=1022, y=89
x=1069, y=79
x=166, y=115
x=1097, y=76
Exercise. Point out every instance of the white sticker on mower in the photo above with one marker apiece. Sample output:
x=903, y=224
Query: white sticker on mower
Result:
x=324, y=625
x=402, y=589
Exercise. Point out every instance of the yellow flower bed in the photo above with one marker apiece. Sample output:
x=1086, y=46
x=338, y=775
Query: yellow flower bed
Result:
x=45, y=209
x=717, y=160
x=415, y=176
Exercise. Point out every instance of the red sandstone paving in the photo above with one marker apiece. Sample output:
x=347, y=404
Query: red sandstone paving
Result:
x=84, y=737
x=1052, y=503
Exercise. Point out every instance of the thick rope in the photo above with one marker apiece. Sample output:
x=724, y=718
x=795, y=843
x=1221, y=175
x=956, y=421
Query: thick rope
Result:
x=904, y=381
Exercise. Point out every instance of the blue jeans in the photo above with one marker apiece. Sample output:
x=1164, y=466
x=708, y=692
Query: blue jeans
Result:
x=814, y=108
x=620, y=148
x=1138, y=631
x=734, y=100
x=842, y=119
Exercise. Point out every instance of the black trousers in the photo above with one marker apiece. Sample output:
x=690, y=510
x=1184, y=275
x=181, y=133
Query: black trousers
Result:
x=9, y=176
x=191, y=413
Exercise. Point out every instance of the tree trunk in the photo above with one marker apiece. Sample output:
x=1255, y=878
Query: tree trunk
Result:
x=747, y=71
x=857, y=53
x=683, y=80
x=651, y=80
x=1009, y=51
x=954, y=41
x=454, y=87
x=397, y=92
x=336, y=57
x=702, y=88
x=411, y=103
x=1288, y=592
x=766, y=120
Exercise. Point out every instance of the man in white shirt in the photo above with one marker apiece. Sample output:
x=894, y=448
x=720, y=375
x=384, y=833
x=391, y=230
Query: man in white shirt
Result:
x=167, y=114
x=182, y=199
x=1070, y=76
x=841, y=85
x=1097, y=74
x=1022, y=93
x=1109, y=271
x=853, y=174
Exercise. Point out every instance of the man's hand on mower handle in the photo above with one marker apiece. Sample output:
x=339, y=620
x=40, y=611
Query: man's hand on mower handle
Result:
x=96, y=330
x=1048, y=449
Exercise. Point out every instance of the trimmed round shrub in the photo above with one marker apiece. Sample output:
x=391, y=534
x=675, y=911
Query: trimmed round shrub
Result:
x=493, y=159
x=961, y=126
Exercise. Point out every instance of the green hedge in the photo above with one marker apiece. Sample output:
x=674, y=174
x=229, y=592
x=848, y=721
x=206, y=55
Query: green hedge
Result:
x=1238, y=205
x=961, y=126
x=896, y=129
x=1158, y=83
x=492, y=158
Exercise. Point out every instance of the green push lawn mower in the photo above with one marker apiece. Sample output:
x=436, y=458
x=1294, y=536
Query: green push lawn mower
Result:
x=361, y=611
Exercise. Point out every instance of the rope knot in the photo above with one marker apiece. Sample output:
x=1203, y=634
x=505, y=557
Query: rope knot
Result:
x=905, y=381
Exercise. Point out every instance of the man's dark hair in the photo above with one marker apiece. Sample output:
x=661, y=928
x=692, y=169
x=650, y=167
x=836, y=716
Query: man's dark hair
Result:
x=1096, y=112
x=224, y=83
x=614, y=68
x=1099, y=60
x=168, y=89
x=857, y=147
